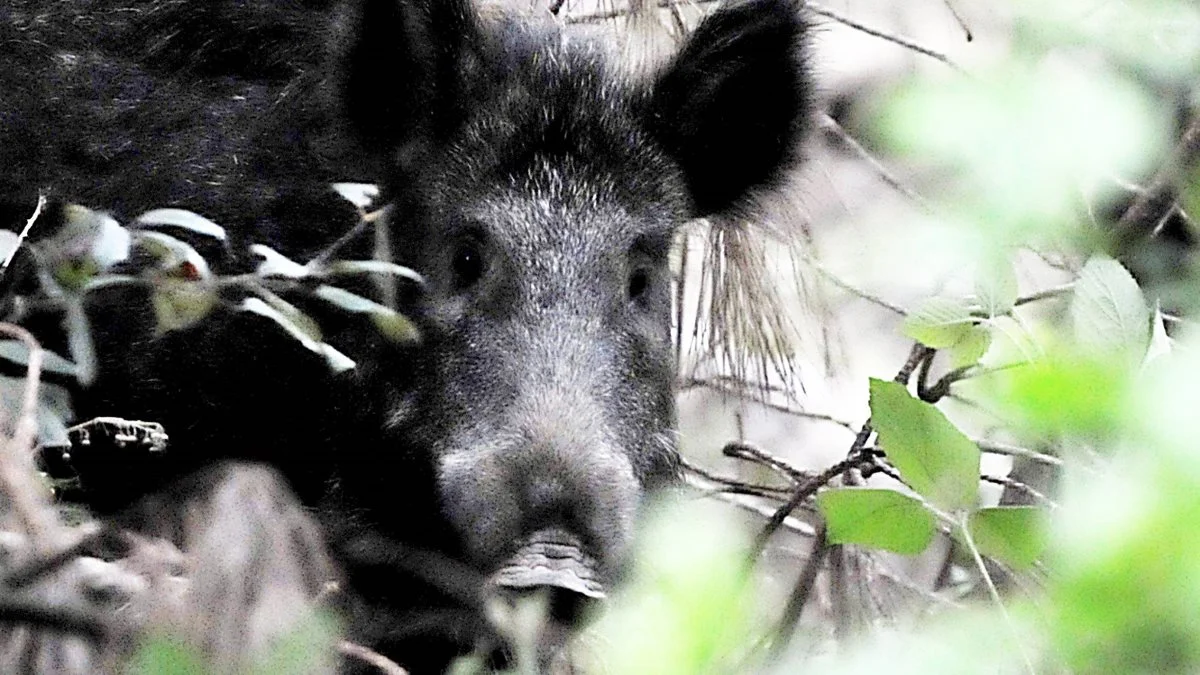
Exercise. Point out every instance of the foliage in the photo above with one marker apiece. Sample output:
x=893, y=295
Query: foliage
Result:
x=1091, y=379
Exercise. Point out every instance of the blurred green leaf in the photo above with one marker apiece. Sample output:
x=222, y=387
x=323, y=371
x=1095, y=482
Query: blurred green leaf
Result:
x=307, y=648
x=182, y=219
x=1108, y=311
x=360, y=267
x=1015, y=535
x=1064, y=392
x=1159, y=37
x=996, y=288
x=166, y=655
x=971, y=347
x=688, y=607
x=933, y=456
x=16, y=352
x=1126, y=597
x=1015, y=143
x=361, y=195
x=391, y=324
x=337, y=361
x=180, y=304
x=878, y=518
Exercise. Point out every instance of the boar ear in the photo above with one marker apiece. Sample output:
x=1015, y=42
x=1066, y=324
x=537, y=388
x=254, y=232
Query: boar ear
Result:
x=405, y=66
x=733, y=105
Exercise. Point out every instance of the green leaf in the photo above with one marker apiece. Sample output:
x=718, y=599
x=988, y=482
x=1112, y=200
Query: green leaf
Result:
x=971, y=347
x=180, y=304
x=1108, y=310
x=391, y=324
x=996, y=288
x=361, y=195
x=939, y=322
x=1160, y=342
x=53, y=409
x=359, y=267
x=184, y=220
x=337, y=361
x=877, y=518
x=293, y=313
x=16, y=352
x=933, y=456
x=275, y=264
x=1015, y=535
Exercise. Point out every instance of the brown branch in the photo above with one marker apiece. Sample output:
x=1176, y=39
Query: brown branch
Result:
x=800, y=593
x=1143, y=214
x=755, y=454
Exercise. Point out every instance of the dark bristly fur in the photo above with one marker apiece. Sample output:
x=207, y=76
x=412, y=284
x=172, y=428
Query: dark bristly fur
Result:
x=535, y=184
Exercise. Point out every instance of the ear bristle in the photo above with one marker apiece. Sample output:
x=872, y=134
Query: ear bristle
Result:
x=734, y=105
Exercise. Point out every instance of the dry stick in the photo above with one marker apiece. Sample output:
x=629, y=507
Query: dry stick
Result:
x=1143, y=213
x=831, y=125
x=37, y=211
x=883, y=35
x=37, y=519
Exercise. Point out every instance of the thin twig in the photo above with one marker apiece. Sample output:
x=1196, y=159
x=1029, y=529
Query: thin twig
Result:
x=1015, y=451
x=883, y=35
x=1057, y=291
x=1020, y=487
x=738, y=486
x=853, y=290
x=37, y=211
x=991, y=586
x=708, y=383
x=958, y=18
x=752, y=505
x=882, y=171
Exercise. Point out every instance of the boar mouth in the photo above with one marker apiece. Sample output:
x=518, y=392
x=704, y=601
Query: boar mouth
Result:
x=554, y=563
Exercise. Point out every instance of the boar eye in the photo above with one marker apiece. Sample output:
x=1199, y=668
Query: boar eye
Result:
x=639, y=283
x=467, y=264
